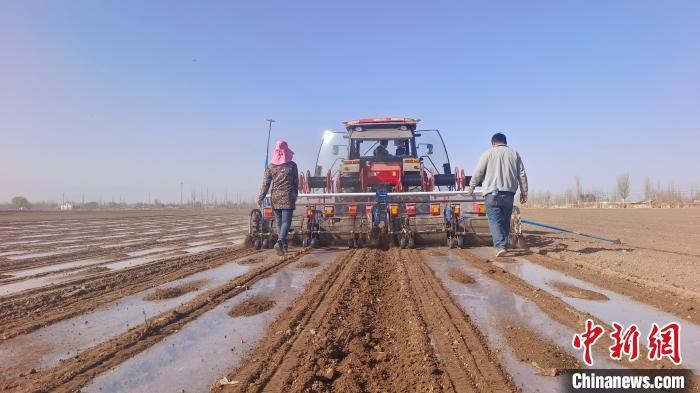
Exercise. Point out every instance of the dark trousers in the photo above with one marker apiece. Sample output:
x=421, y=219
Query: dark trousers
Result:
x=283, y=218
x=498, y=209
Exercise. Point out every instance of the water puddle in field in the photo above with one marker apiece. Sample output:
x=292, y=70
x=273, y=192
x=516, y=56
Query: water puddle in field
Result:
x=32, y=255
x=148, y=251
x=171, y=238
x=57, y=267
x=618, y=308
x=46, y=346
x=37, y=282
x=206, y=247
x=6, y=253
x=131, y=262
x=487, y=303
x=209, y=347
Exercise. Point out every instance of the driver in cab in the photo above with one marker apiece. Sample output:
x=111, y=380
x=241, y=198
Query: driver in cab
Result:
x=382, y=150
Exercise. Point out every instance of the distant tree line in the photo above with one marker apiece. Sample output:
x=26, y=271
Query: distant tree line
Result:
x=22, y=203
x=655, y=195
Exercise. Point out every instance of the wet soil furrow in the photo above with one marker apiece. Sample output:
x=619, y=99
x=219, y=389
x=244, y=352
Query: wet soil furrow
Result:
x=463, y=350
x=75, y=372
x=290, y=331
x=26, y=312
x=683, y=305
x=110, y=257
x=552, y=305
x=366, y=324
x=8, y=266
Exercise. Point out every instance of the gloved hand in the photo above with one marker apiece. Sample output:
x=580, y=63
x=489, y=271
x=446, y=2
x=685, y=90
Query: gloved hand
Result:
x=523, y=198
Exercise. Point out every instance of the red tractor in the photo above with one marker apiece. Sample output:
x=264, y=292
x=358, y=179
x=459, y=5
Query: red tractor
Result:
x=382, y=181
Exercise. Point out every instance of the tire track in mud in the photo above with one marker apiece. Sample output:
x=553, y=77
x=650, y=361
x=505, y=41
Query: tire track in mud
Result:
x=28, y=311
x=467, y=359
x=553, y=306
x=367, y=323
x=75, y=372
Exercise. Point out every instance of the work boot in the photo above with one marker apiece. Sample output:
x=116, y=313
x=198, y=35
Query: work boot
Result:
x=500, y=253
x=279, y=247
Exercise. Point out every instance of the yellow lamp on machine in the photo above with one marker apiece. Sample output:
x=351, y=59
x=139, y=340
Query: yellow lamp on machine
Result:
x=394, y=210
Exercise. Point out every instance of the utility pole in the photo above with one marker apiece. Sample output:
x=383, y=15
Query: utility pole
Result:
x=267, y=152
x=180, y=194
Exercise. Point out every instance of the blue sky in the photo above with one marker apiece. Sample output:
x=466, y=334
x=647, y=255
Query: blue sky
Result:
x=121, y=99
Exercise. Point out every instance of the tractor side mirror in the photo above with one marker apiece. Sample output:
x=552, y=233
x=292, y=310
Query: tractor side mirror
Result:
x=430, y=148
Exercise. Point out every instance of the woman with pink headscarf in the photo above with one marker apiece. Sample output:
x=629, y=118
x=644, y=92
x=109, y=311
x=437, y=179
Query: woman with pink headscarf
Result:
x=284, y=177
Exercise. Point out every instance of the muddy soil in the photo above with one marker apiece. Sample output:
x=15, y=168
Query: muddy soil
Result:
x=551, y=304
x=253, y=306
x=367, y=320
x=308, y=264
x=682, y=303
x=531, y=348
x=250, y=261
x=176, y=291
x=75, y=372
x=461, y=276
x=370, y=323
x=580, y=293
x=659, y=247
x=26, y=312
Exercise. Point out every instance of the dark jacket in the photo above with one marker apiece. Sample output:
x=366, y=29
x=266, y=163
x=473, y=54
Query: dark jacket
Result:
x=285, y=185
x=381, y=151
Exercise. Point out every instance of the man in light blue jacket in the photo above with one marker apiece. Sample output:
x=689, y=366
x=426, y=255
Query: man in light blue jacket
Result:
x=500, y=171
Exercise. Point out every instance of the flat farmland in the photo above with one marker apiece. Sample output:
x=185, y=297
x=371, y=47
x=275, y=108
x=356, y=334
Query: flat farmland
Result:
x=161, y=300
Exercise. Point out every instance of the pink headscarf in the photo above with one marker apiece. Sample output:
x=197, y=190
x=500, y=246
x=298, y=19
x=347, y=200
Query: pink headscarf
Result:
x=282, y=154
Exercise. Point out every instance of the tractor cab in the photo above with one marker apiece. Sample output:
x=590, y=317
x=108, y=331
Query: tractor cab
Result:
x=385, y=154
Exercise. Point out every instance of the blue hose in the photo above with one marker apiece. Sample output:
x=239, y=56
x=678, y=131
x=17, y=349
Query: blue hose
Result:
x=570, y=231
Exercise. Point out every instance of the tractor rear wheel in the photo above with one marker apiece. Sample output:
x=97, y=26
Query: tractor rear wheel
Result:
x=266, y=243
x=257, y=244
x=411, y=243
x=314, y=242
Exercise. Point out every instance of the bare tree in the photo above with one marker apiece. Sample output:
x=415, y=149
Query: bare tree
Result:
x=623, y=186
x=649, y=190
x=579, y=190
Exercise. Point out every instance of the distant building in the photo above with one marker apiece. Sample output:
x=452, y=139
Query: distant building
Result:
x=66, y=206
